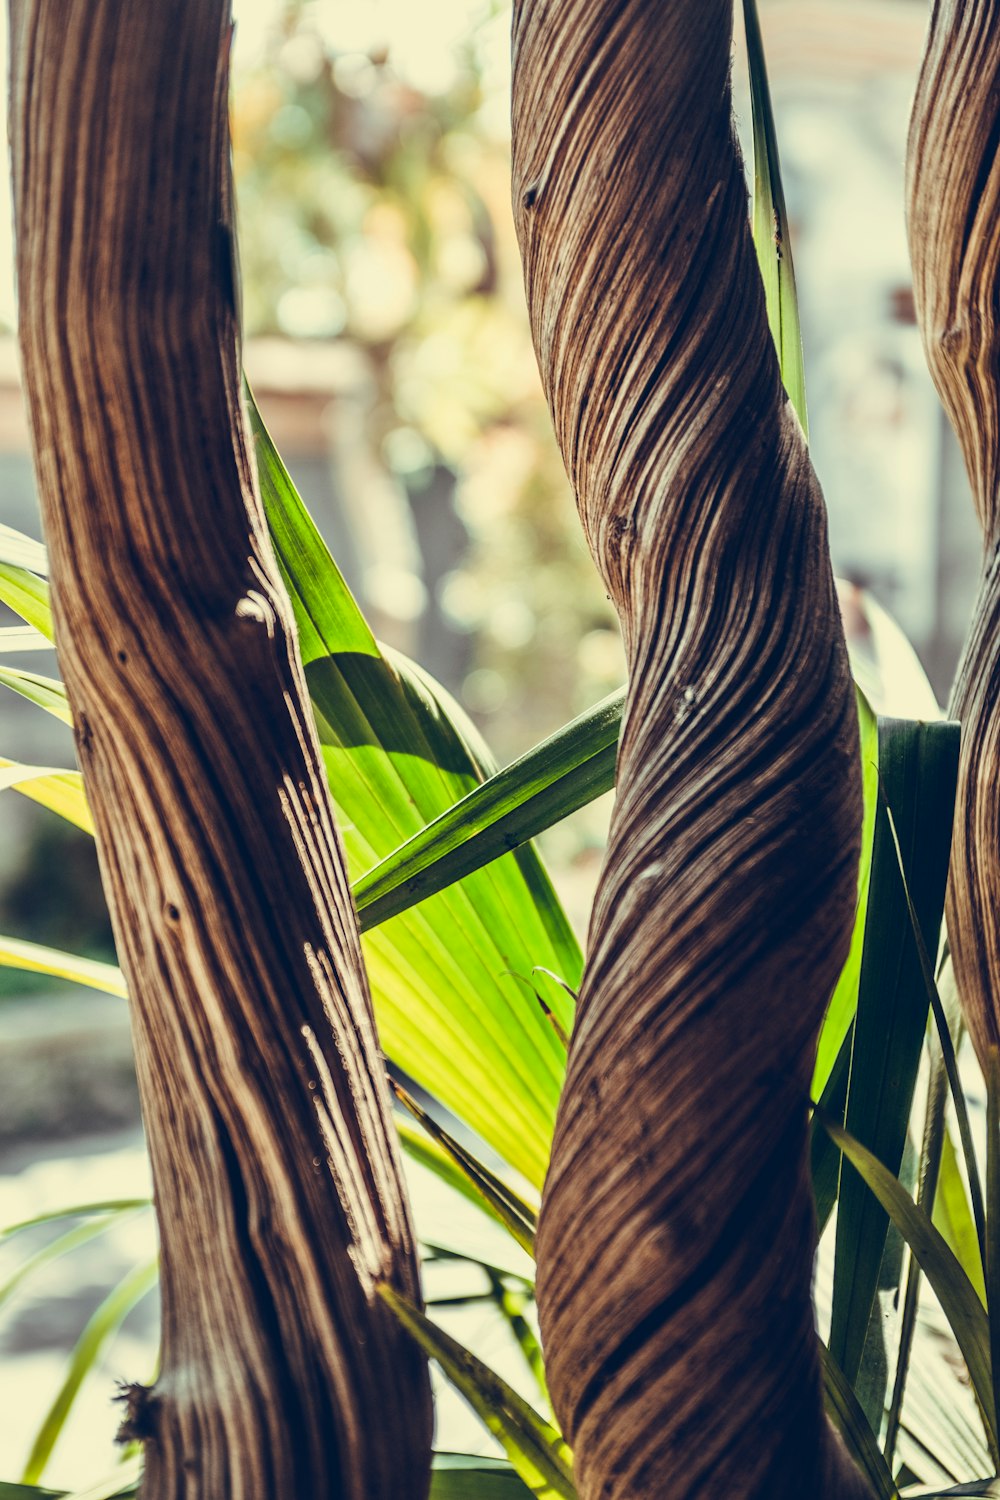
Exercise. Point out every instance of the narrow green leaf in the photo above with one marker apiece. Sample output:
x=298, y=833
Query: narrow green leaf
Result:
x=918, y=765
x=76, y=1211
x=929, y=1171
x=534, y=1447
x=124, y=1483
x=427, y=1153
x=447, y=1245
x=861, y=1443
x=825, y=1159
x=991, y=1071
x=36, y=959
x=517, y=1217
x=64, y=1244
x=398, y=752
x=954, y=1218
x=770, y=224
x=27, y=596
x=58, y=790
x=100, y=1329
x=953, y=1289
x=46, y=692
x=844, y=1001
x=947, y=1045
x=28, y=1492
x=513, y=1306
x=563, y=773
x=455, y=1476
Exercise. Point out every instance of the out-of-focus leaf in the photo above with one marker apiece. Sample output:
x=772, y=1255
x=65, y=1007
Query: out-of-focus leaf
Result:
x=123, y=1482
x=534, y=1447
x=398, y=753
x=17, y=638
x=100, y=1329
x=63, y=1244
x=60, y=791
x=843, y=1004
x=28, y=596
x=443, y=1247
x=883, y=662
x=46, y=692
x=941, y=1424
x=953, y=1289
x=770, y=224
x=513, y=1304
x=918, y=765
x=36, y=959
x=28, y=1492
x=22, y=551
x=456, y=1476
x=76, y=1211
x=563, y=773
x=860, y=1441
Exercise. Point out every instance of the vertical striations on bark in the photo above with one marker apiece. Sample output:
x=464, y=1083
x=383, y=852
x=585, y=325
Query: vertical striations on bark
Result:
x=278, y=1189
x=677, y=1232
x=953, y=189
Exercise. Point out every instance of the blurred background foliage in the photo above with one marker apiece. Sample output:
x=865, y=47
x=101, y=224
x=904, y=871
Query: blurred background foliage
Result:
x=388, y=344
x=373, y=185
x=377, y=211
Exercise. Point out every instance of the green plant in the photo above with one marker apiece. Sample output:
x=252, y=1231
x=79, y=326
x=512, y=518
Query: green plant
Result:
x=474, y=967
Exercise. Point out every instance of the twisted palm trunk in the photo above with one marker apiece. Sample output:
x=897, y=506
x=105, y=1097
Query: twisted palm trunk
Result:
x=953, y=172
x=676, y=1241
x=278, y=1192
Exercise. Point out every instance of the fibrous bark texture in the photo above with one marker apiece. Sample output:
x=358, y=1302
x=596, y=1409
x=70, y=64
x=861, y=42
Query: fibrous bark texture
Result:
x=277, y=1185
x=953, y=172
x=676, y=1240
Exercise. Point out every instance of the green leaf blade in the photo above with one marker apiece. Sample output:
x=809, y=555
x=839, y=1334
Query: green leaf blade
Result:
x=398, y=753
x=770, y=224
x=844, y=1001
x=955, y=1292
x=555, y=779
x=918, y=765
x=100, y=1329
x=534, y=1447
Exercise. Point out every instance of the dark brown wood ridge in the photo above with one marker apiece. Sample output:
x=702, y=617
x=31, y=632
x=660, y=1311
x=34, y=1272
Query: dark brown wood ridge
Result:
x=278, y=1191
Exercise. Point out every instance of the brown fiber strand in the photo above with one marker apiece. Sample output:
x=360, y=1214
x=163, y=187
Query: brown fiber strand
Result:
x=278, y=1189
x=677, y=1234
x=953, y=181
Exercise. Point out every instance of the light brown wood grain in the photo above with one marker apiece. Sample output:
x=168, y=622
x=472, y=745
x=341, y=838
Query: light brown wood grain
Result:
x=953, y=184
x=278, y=1190
x=677, y=1233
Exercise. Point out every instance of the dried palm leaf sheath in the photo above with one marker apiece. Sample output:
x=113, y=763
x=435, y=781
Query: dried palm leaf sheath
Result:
x=953, y=173
x=277, y=1185
x=676, y=1242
